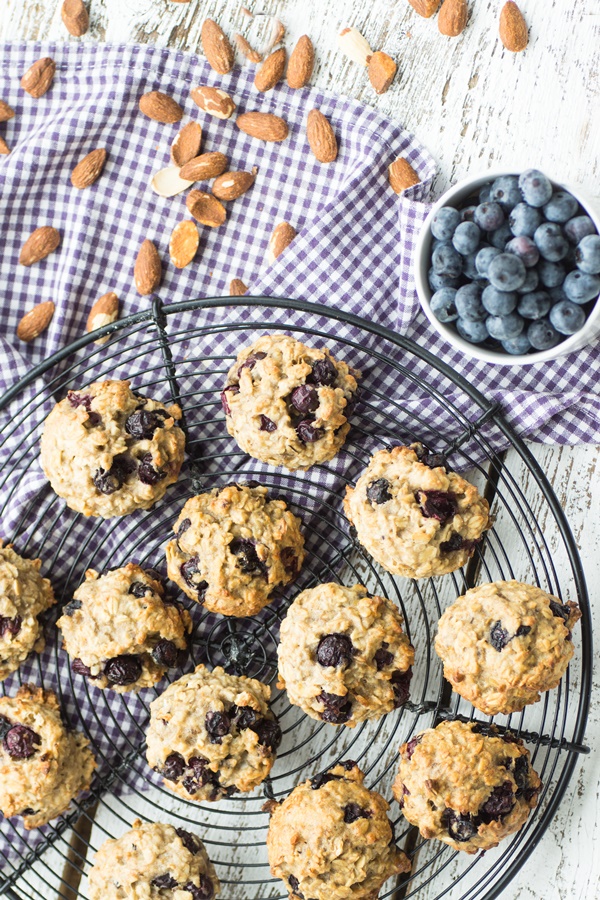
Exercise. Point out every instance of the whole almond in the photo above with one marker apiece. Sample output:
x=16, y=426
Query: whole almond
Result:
x=425, y=8
x=6, y=111
x=75, y=17
x=213, y=101
x=184, y=243
x=401, y=175
x=187, y=144
x=271, y=71
x=237, y=288
x=40, y=244
x=232, y=185
x=217, y=48
x=38, y=78
x=35, y=321
x=382, y=70
x=203, y=167
x=246, y=49
x=354, y=45
x=161, y=107
x=513, y=28
x=321, y=137
x=88, y=169
x=453, y=17
x=206, y=209
x=4, y=148
x=147, y=271
x=104, y=311
x=282, y=236
x=301, y=64
x=264, y=126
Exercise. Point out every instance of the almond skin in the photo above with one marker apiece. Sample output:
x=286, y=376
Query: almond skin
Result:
x=75, y=17
x=217, y=48
x=88, y=169
x=401, y=175
x=161, y=107
x=4, y=148
x=453, y=17
x=203, y=167
x=382, y=70
x=147, y=271
x=187, y=144
x=40, y=244
x=271, y=71
x=39, y=77
x=35, y=321
x=213, y=101
x=301, y=64
x=237, y=288
x=264, y=126
x=6, y=111
x=282, y=236
x=513, y=28
x=425, y=8
x=232, y=185
x=321, y=137
x=104, y=311
x=184, y=243
x=206, y=209
x=246, y=49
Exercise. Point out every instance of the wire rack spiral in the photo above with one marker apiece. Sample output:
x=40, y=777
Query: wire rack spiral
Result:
x=183, y=352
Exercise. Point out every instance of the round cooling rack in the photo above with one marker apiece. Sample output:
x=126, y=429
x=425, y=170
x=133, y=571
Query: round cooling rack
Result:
x=182, y=353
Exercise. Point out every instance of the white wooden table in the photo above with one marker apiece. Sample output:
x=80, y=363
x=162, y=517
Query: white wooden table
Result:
x=475, y=106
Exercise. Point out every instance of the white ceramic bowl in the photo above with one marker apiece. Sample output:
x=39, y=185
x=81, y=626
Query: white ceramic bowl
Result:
x=455, y=197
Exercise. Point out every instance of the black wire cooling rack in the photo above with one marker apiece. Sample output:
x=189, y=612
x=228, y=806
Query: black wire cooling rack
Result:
x=183, y=352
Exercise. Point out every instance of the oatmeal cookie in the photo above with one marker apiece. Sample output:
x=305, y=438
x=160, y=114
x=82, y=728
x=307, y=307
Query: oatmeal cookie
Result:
x=153, y=860
x=343, y=656
x=287, y=404
x=24, y=594
x=504, y=643
x=414, y=516
x=466, y=785
x=234, y=547
x=108, y=451
x=120, y=632
x=42, y=765
x=331, y=839
x=212, y=734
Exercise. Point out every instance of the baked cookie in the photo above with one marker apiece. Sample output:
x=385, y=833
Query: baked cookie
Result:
x=331, y=839
x=288, y=404
x=153, y=860
x=504, y=643
x=108, y=451
x=343, y=656
x=414, y=516
x=24, y=594
x=120, y=632
x=42, y=765
x=234, y=547
x=466, y=785
x=212, y=734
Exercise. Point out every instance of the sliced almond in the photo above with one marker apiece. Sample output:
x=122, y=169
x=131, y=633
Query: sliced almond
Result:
x=277, y=34
x=271, y=71
x=401, y=175
x=6, y=111
x=425, y=8
x=40, y=244
x=39, y=77
x=246, y=49
x=264, y=126
x=147, y=271
x=168, y=182
x=206, y=209
x=88, y=169
x=321, y=137
x=282, y=236
x=382, y=70
x=104, y=311
x=35, y=321
x=161, y=107
x=513, y=28
x=187, y=144
x=232, y=185
x=4, y=148
x=301, y=64
x=184, y=243
x=204, y=167
x=75, y=17
x=214, y=101
x=453, y=16
x=217, y=48
x=354, y=45
x=237, y=288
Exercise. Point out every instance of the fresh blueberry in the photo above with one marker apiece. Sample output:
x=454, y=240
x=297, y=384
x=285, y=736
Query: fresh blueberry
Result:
x=489, y=216
x=444, y=223
x=505, y=191
x=551, y=274
x=469, y=267
x=580, y=287
x=567, y=317
x=578, y=228
x=337, y=710
x=503, y=328
x=304, y=398
x=500, y=237
x=466, y=214
x=443, y=306
x=535, y=187
x=437, y=281
x=518, y=346
x=551, y=241
x=484, y=258
x=247, y=557
x=506, y=272
x=525, y=249
x=524, y=220
x=122, y=670
x=267, y=424
x=21, y=742
x=485, y=193
x=468, y=303
x=474, y=332
x=466, y=238
x=557, y=294
x=335, y=650
x=446, y=260
x=535, y=305
x=587, y=254
x=561, y=207
x=543, y=335
x=307, y=432
x=532, y=280
x=323, y=372
x=440, y=505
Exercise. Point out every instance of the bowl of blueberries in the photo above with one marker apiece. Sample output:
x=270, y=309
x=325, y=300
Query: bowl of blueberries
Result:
x=508, y=268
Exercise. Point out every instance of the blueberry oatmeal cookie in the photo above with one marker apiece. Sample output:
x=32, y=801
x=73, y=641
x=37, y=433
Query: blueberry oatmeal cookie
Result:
x=413, y=515
x=466, y=785
x=153, y=860
x=504, y=643
x=234, y=547
x=287, y=404
x=108, y=451
x=120, y=632
x=343, y=656
x=212, y=734
x=24, y=594
x=331, y=839
x=42, y=765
